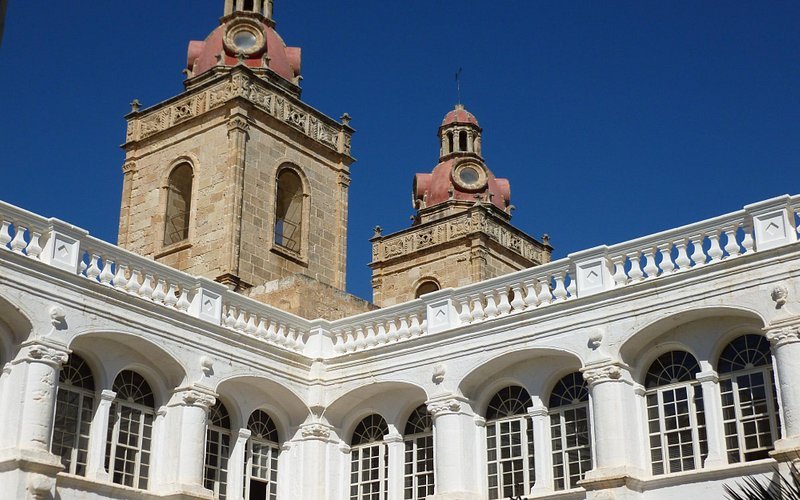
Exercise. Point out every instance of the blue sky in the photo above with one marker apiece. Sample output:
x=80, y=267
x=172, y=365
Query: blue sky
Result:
x=611, y=119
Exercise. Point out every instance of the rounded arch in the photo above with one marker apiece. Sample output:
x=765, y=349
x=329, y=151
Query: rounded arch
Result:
x=111, y=352
x=287, y=164
x=184, y=159
x=291, y=210
x=177, y=202
x=15, y=327
x=425, y=285
x=639, y=371
x=729, y=336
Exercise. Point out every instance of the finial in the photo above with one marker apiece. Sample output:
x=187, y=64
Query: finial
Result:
x=546, y=239
x=458, y=85
x=345, y=119
x=135, y=106
x=377, y=230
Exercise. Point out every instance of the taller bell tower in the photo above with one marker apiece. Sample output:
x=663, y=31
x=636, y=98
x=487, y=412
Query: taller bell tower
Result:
x=236, y=178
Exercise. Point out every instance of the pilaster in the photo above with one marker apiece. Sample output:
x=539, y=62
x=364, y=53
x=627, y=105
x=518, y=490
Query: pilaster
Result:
x=98, y=432
x=542, y=461
x=395, y=458
x=709, y=384
x=785, y=342
x=237, y=464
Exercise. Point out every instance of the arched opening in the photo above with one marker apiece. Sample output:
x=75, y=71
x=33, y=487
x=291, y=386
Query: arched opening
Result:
x=675, y=413
x=218, y=450
x=428, y=286
x=289, y=210
x=369, y=465
x=261, y=469
x=450, y=142
x=569, y=431
x=73, y=416
x=179, y=204
x=509, y=444
x=130, y=430
x=462, y=141
x=249, y=5
x=418, y=438
x=749, y=398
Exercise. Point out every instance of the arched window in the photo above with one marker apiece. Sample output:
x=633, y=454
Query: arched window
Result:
x=289, y=210
x=368, y=460
x=675, y=417
x=425, y=287
x=418, y=440
x=462, y=141
x=179, y=205
x=248, y=5
x=261, y=470
x=749, y=398
x=450, y=142
x=74, y=411
x=218, y=450
x=130, y=430
x=569, y=431
x=509, y=443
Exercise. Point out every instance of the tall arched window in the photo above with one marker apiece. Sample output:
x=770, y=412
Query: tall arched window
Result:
x=569, y=431
x=261, y=470
x=218, y=450
x=418, y=440
x=179, y=204
x=749, y=398
x=289, y=210
x=130, y=430
x=675, y=417
x=368, y=460
x=509, y=443
x=428, y=286
x=74, y=410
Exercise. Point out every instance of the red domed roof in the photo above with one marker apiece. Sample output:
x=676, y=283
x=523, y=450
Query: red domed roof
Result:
x=435, y=187
x=459, y=115
x=283, y=60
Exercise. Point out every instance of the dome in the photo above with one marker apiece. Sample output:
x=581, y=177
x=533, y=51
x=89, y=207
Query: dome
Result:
x=466, y=179
x=249, y=38
x=459, y=115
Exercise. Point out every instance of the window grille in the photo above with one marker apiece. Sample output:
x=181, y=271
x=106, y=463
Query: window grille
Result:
x=261, y=471
x=509, y=444
x=749, y=398
x=130, y=430
x=289, y=210
x=179, y=205
x=218, y=450
x=675, y=414
x=369, y=465
x=418, y=474
x=73, y=416
x=569, y=431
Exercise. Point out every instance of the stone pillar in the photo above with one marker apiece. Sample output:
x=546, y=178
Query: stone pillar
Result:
x=395, y=463
x=236, y=465
x=543, y=467
x=617, y=441
x=98, y=435
x=238, y=127
x=315, y=439
x=786, y=349
x=712, y=405
x=128, y=171
x=457, y=471
x=185, y=437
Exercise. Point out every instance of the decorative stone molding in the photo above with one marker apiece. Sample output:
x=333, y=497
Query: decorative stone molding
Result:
x=782, y=336
x=315, y=431
x=708, y=376
x=58, y=317
x=238, y=123
x=195, y=396
x=393, y=437
x=439, y=371
x=600, y=374
x=39, y=486
x=779, y=295
x=444, y=407
x=537, y=411
x=108, y=395
x=43, y=354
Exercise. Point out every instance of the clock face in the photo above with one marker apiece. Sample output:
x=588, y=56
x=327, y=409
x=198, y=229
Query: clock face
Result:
x=244, y=40
x=244, y=36
x=470, y=176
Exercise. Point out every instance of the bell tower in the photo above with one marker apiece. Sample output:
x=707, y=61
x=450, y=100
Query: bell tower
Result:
x=236, y=178
x=461, y=231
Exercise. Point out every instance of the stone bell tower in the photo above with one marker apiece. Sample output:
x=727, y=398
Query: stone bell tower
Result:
x=236, y=178
x=461, y=232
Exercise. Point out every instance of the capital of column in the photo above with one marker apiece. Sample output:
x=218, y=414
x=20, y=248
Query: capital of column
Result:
x=708, y=376
x=108, y=395
x=244, y=434
x=779, y=337
x=42, y=352
x=537, y=411
x=315, y=431
x=606, y=372
x=194, y=396
x=238, y=123
x=448, y=406
x=393, y=437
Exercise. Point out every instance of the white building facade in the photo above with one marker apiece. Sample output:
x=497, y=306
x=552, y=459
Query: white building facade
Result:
x=661, y=367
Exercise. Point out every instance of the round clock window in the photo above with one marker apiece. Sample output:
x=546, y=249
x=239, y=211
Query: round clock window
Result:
x=468, y=175
x=244, y=40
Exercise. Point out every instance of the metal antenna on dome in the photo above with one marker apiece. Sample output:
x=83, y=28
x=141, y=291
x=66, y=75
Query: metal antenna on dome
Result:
x=458, y=85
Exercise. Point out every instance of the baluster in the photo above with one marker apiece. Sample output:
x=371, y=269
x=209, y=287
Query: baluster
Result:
x=572, y=288
x=732, y=246
x=650, y=267
x=620, y=278
x=698, y=255
x=518, y=303
x=120, y=281
x=402, y=332
x=291, y=339
x=5, y=234
x=18, y=244
x=392, y=334
x=560, y=292
x=747, y=241
x=159, y=294
x=299, y=340
x=230, y=319
x=272, y=333
x=371, y=341
x=531, y=300
x=183, y=301
x=635, y=273
x=682, y=260
x=666, y=264
x=714, y=251
x=338, y=342
x=350, y=341
x=477, y=308
x=134, y=283
x=261, y=329
x=34, y=249
x=240, y=322
x=146, y=290
x=465, y=316
x=504, y=307
x=171, y=299
x=82, y=265
x=280, y=334
x=423, y=326
x=106, y=276
x=251, y=327
x=415, y=328
x=93, y=271
x=545, y=296
x=381, y=337
x=360, y=341
x=491, y=308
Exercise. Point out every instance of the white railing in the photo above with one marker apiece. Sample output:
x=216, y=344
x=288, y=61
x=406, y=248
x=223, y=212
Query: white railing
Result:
x=758, y=227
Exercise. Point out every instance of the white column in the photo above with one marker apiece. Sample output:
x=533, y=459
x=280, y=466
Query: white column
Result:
x=712, y=405
x=454, y=433
x=236, y=465
x=312, y=474
x=786, y=350
x=98, y=435
x=542, y=461
x=395, y=459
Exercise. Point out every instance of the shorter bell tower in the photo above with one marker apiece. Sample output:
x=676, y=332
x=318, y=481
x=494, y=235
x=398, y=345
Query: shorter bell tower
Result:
x=461, y=232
